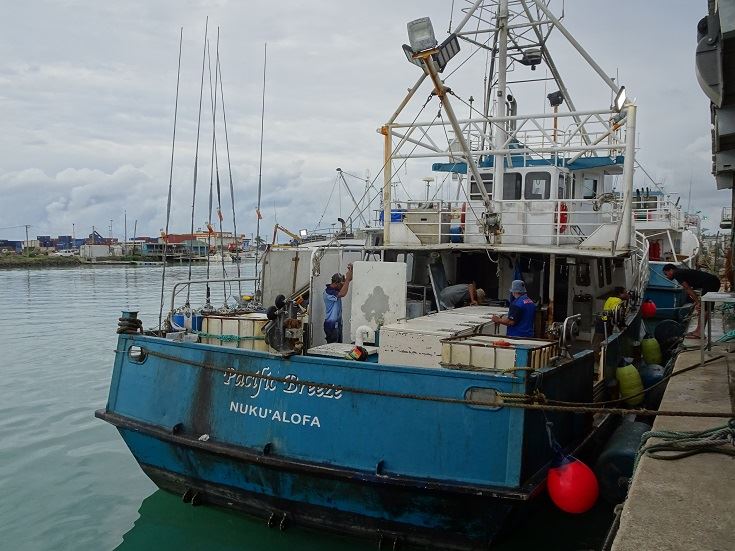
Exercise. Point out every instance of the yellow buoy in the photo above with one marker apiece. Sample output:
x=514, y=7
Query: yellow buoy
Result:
x=651, y=351
x=630, y=384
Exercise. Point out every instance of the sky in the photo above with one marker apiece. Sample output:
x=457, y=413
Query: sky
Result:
x=88, y=89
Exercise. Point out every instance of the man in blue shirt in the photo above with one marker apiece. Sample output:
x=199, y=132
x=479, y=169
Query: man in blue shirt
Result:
x=333, y=305
x=522, y=312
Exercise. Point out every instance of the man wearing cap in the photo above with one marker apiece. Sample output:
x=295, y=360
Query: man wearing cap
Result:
x=522, y=312
x=333, y=305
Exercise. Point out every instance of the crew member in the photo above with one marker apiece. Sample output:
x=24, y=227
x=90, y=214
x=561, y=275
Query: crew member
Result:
x=692, y=281
x=460, y=294
x=333, y=294
x=522, y=312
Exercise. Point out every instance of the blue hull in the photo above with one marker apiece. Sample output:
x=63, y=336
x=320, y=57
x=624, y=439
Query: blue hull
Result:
x=669, y=297
x=378, y=450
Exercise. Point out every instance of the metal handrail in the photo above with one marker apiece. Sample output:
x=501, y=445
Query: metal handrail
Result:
x=189, y=282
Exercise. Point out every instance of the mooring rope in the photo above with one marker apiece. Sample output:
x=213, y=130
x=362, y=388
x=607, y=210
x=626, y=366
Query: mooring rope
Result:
x=440, y=399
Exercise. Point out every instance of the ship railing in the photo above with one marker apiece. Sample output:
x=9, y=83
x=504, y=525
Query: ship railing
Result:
x=179, y=286
x=640, y=258
x=662, y=212
x=578, y=133
x=559, y=222
x=726, y=218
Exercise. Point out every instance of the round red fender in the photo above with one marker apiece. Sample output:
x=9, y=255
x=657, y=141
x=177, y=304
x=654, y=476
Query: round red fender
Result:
x=572, y=485
x=648, y=309
x=562, y=217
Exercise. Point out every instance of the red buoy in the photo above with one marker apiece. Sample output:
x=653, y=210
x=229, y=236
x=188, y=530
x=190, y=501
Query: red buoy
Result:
x=572, y=485
x=648, y=309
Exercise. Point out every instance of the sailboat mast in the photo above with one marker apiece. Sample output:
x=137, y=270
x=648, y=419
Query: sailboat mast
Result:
x=502, y=68
x=260, y=165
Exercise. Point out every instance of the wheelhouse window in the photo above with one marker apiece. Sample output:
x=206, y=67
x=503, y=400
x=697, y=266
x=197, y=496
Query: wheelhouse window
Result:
x=512, y=186
x=538, y=185
x=589, y=188
x=487, y=180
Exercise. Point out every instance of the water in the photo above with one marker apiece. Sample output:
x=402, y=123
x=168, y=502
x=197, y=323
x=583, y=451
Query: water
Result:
x=67, y=480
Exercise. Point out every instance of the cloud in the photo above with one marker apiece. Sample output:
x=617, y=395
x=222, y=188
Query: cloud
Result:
x=88, y=94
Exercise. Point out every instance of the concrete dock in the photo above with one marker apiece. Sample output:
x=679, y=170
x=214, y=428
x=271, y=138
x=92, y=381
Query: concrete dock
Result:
x=689, y=503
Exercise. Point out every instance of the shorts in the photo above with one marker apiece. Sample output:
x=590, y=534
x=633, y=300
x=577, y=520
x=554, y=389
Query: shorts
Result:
x=333, y=331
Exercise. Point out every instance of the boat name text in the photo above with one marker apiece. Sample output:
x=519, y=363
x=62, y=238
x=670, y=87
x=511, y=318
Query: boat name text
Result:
x=259, y=382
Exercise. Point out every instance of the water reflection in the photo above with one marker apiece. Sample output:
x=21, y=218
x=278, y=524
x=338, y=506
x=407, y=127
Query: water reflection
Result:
x=167, y=523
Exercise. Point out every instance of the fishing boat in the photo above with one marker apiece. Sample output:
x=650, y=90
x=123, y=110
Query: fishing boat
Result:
x=673, y=238
x=429, y=425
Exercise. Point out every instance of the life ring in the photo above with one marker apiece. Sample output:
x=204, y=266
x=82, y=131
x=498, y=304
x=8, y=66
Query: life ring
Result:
x=563, y=217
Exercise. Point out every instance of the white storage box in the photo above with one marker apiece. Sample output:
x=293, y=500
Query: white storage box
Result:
x=242, y=331
x=487, y=352
x=417, y=342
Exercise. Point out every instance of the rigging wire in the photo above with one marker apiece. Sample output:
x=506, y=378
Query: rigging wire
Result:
x=229, y=170
x=196, y=163
x=329, y=199
x=385, y=163
x=260, y=166
x=170, y=182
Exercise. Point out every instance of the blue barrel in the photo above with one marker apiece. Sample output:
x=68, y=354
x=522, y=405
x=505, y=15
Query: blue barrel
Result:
x=651, y=374
x=455, y=234
x=614, y=467
x=196, y=321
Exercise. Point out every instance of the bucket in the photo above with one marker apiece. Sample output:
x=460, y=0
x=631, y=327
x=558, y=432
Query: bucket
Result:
x=455, y=234
x=196, y=320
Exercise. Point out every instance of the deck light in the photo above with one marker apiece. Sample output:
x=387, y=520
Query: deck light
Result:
x=620, y=99
x=422, y=39
x=304, y=233
x=421, y=35
x=556, y=98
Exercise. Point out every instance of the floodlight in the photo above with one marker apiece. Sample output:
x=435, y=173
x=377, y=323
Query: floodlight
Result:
x=556, y=98
x=304, y=233
x=421, y=34
x=620, y=99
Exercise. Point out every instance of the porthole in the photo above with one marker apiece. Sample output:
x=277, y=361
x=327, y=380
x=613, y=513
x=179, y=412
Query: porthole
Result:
x=482, y=396
x=137, y=354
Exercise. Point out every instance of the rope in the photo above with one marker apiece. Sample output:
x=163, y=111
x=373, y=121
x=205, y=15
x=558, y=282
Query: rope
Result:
x=170, y=183
x=439, y=399
x=677, y=445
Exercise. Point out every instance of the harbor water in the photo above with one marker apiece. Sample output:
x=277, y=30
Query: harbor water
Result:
x=67, y=479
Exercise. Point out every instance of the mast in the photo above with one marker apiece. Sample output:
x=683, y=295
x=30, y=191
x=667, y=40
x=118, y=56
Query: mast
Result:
x=502, y=67
x=625, y=240
x=260, y=165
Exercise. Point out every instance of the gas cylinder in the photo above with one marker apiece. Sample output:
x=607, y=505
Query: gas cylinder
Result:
x=651, y=351
x=630, y=384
